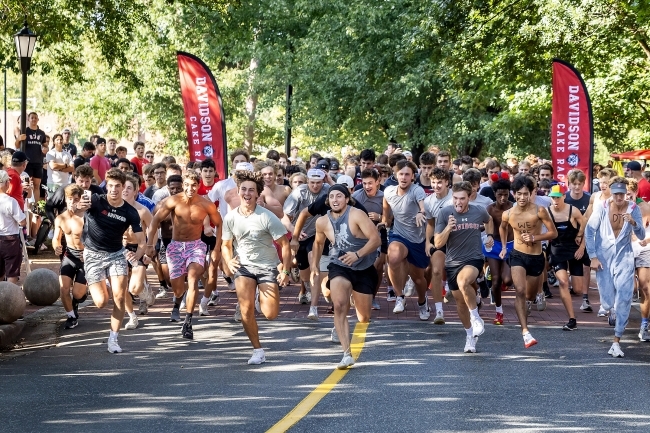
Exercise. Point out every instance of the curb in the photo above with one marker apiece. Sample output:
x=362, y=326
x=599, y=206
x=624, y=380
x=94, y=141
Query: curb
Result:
x=10, y=333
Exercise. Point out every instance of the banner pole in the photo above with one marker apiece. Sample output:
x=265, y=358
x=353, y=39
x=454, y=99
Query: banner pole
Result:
x=287, y=127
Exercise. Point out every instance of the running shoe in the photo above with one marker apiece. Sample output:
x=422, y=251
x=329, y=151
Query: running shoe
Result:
x=237, y=315
x=390, y=295
x=231, y=287
x=176, y=315
x=214, y=298
x=148, y=295
x=529, y=307
x=612, y=317
x=187, y=331
x=303, y=299
x=295, y=275
x=143, y=308
x=183, y=302
x=572, y=292
x=132, y=323
x=478, y=326
x=409, y=287
x=529, y=341
x=257, y=358
x=399, y=305
x=334, y=336
x=479, y=301
x=113, y=347
x=162, y=293
x=498, y=320
x=547, y=292
x=75, y=308
x=200, y=284
x=71, y=322
x=586, y=306
x=635, y=296
x=571, y=325
x=541, y=302
x=258, y=308
x=346, y=362
x=470, y=344
x=644, y=334
x=446, y=293
x=440, y=318
x=552, y=280
x=313, y=313
x=203, y=308
x=424, y=310
x=375, y=304
x=616, y=351
x=602, y=312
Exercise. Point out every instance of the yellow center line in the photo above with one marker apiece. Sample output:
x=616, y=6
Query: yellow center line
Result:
x=312, y=399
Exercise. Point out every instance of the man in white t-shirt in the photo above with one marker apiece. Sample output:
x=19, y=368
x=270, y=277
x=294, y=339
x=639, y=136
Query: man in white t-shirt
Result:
x=59, y=165
x=11, y=218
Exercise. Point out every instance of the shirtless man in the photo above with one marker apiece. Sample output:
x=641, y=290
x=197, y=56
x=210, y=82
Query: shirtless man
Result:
x=137, y=282
x=499, y=268
x=70, y=224
x=186, y=252
x=268, y=170
x=175, y=186
x=609, y=244
x=527, y=261
x=641, y=250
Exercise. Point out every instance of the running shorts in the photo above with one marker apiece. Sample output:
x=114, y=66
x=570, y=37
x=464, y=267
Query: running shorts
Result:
x=363, y=281
x=416, y=254
x=181, y=254
x=100, y=265
x=72, y=265
x=453, y=271
x=534, y=264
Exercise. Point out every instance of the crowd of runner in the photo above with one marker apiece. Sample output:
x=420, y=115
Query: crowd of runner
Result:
x=434, y=228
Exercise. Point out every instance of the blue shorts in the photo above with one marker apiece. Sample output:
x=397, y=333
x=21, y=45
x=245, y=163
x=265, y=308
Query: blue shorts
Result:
x=417, y=255
x=496, y=250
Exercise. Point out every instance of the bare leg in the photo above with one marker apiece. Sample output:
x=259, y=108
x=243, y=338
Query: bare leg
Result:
x=66, y=300
x=246, y=297
x=497, y=279
x=341, y=290
x=437, y=271
x=417, y=275
x=644, y=287
x=461, y=307
x=269, y=300
x=194, y=272
x=118, y=285
x=397, y=269
x=565, y=295
x=465, y=279
x=519, y=280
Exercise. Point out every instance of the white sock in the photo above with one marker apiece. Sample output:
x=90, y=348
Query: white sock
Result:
x=132, y=315
x=390, y=288
x=113, y=335
x=500, y=309
x=70, y=314
x=204, y=300
x=469, y=332
x=438, y=306
x=474, y=313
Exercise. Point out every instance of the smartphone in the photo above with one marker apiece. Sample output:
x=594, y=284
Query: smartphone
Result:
x=87, y=194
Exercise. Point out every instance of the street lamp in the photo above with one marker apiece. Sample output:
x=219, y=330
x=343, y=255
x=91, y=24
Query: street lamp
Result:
x=25, y=43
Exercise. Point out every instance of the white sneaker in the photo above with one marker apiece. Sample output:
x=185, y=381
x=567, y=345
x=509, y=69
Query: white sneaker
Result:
x=214, y=298
x=143, y=308
x=616, y=351
x=409, y=287
x=231, y=286
x=237, y=315
x=203, y=308
x=478, y=327
x=470, y=344
x=399, y=305
x=529, y=307
x=313, y=313
x=447, y=294
x=334, y=336
x=183, y=305
x=308, y=294
x=346, y=362
x=303, y=299
x=113, y=347
x=162, y=293
x=257, y=358
x=257, y=300
x=541, y=302
x=424, y=310
x=644, y=334
x=602, y=312
x=132, y=324
x=440, y=318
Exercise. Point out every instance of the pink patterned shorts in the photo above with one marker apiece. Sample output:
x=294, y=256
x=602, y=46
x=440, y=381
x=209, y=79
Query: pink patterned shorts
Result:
x=181, y=254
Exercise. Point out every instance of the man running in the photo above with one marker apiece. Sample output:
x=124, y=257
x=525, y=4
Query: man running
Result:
x=107, y=218
x=354, y=240
x=175, y=186
x=527, y=261
x=458, y=226
x=186, y=252
x=70, y=224
x=609, y=244
x=251, y=230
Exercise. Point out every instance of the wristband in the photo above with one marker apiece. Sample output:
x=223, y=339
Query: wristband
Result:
x=149, y=245
x=421, y=212
x=285, y=272
x=357, y=254
x=490, y=235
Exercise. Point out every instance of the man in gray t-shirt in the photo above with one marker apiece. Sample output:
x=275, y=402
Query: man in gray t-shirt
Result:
x=458, y=226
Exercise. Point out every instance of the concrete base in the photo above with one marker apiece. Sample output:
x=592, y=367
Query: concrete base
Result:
x=10, y=333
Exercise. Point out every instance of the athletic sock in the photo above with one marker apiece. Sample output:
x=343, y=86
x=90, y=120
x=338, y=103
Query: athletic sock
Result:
x=177, y=303
x=421, y=304
x=188, y=318
x=389, y=288
x=644, y=322
x=70, y=314
x=438, y=306
x=132, y=315
x=500, y=309
x=585, y=297
x=113, y=335
x=163, y=283
x=228, y=279
x=545, y=286
x=474, y=313
x=204, y=299
x=470, y=332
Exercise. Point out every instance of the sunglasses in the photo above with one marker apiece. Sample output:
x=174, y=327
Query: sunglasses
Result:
x=148, y=156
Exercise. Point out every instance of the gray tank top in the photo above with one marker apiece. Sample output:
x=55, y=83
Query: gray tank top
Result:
x=345, y=242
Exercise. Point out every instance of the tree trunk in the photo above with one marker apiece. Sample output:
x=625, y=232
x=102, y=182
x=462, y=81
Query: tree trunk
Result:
x=251, y=108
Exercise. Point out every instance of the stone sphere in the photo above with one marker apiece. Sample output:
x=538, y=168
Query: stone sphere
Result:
x=42, y=287
x=12, y=302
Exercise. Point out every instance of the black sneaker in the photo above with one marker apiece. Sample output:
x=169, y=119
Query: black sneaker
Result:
x=547, y=293
x=71, y=322
x=187, y=331
x=176, y=315
x=75, y=308
x=571, y=326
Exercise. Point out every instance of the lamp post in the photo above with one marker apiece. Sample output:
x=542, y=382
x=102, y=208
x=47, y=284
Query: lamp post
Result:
x=25, y=42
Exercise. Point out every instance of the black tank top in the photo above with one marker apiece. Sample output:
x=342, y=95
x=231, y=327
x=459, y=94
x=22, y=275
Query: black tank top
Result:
x=564, y=246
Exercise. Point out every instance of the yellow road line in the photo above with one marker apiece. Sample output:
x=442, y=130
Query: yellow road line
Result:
x=308, y=403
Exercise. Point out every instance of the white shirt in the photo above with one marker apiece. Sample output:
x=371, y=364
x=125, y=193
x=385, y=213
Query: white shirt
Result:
x=10, y=215
x=59, y=178
x=160, y=194
x=218, y=193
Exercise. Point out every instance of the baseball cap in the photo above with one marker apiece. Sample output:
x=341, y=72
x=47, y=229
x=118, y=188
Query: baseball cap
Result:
x=618, y=188
x=315, y=173
x=244, y=166
x=65, y=130
x=634, y=166
x=345, y=180
x=407, y=154
x=323, y=164
x=334, y=165
x=556, y=191
x=19, y=157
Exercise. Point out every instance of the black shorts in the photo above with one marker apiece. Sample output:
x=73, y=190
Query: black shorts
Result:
x=383, y=234
x=302, y=255
x=363, y=281
x=534, y=264
x=35, y=170
x=210, y=241
x=434, y=249
x=134, y=248
x=260, y=275
x=72, y=266
x=452, y=272
x=162, y=252
x=575, y=267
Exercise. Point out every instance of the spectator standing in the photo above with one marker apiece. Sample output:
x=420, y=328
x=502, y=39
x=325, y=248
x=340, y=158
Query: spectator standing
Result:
x=111, y=146
x=19, y=162
x=67, y=146
x=633, y=170
x=87, y=152
x=138, y=160
x=11, y=218
x=99, y=162
x=59, y=165
x=34, y=140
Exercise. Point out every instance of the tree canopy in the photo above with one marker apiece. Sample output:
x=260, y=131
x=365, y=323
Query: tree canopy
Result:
x=473, y=76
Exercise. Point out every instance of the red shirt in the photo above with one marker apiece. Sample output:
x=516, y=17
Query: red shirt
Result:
x=138, y=164
x=15, y=187
x=644, y=189
x=203, y=189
